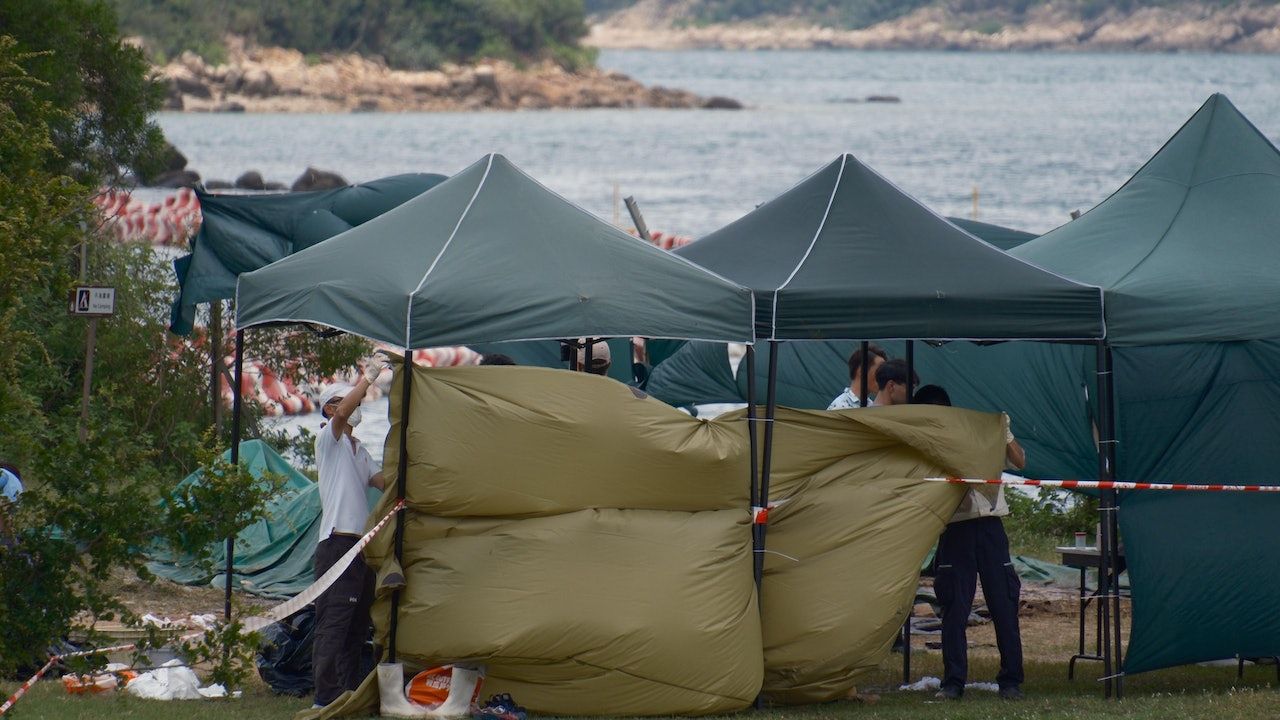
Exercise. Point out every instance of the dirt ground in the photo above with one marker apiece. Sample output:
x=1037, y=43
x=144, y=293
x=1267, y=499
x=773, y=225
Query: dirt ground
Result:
x=1050, y=623
x=1048, y=617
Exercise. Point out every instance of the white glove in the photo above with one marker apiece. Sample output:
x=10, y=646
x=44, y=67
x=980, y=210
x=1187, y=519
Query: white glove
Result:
x=374, y=365
x=1008, y=433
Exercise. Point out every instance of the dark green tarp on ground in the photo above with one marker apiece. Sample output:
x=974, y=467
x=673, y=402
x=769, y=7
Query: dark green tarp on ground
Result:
x=847, y=255
x=240, y=233
x=491, y=255
x=273, y=557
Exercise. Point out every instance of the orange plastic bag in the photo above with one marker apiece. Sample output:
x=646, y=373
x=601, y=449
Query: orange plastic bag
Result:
x=430, y=688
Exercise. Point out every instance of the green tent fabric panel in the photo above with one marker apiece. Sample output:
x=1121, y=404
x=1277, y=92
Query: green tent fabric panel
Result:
x=845, y=254
x=1205, y=574
x=490, y=255
x=241, y=233
x=1187, y=249
x=1002, y=237
x=697, y=373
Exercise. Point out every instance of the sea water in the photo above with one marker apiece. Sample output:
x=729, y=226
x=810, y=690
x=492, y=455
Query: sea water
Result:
x=1036, y=134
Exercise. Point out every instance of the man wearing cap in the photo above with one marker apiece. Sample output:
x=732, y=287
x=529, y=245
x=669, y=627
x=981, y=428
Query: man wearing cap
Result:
x=345, y=468
x=600, y=357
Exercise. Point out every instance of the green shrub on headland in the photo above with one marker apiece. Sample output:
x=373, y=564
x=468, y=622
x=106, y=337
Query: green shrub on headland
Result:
x=414, y=34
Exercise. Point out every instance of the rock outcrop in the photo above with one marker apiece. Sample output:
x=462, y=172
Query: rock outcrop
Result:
x=281, y=80
x=1215, y=27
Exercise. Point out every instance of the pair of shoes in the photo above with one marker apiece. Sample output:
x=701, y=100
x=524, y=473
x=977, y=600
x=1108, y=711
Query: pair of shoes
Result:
x=500, y=707
x=1011, y=692
x=949, y=692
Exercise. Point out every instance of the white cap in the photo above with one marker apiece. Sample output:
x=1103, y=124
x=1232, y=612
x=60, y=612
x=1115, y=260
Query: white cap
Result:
x=599, y=353
x=332, y=391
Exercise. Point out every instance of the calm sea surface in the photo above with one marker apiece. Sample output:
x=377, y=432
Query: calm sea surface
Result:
x=1038, y=134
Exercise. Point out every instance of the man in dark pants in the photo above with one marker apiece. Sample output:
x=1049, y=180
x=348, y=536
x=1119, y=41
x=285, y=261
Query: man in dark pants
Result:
x=973, y=546
x=345, y=470
x=967, y=550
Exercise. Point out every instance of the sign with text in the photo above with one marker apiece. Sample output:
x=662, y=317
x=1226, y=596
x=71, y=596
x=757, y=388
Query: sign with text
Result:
x=92, y=301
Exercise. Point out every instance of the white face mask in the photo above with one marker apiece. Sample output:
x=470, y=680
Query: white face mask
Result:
x=355, y=418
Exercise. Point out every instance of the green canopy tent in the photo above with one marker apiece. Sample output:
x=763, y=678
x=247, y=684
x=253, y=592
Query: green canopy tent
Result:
x=490, y=255
x=845, y=254
x=1187, y=251
x=240, y=233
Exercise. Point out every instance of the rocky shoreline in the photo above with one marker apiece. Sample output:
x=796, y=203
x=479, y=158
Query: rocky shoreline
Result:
x=659, y=25
x=282, y=80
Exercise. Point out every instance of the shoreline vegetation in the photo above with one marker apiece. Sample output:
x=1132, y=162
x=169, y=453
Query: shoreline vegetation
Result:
x=1243, y=27
x=273, y=79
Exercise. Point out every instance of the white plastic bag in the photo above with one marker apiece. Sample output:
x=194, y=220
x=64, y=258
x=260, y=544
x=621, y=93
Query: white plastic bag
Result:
x=170, y=681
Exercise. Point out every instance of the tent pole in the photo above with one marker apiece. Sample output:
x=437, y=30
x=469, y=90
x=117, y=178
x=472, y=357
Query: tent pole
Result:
x=215, y=364
x=906, y=626
x=866, y=373
x=755, y=467
x=235, y=460
x=402, y=481
x=753, y=486
x=762, y=498
x=1106, y=507
x=770, y=411
x=1110, y=449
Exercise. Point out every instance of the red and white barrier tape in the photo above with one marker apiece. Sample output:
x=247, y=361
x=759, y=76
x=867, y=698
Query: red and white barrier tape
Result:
x=256, y=622
x=301, y=600
x=1108, y=485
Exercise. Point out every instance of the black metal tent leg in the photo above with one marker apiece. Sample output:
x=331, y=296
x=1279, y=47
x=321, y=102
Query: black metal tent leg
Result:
x=402, y=475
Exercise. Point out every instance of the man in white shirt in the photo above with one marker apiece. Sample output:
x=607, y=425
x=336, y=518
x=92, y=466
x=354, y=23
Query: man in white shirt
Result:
x=973, y=546
x=852, y=395
x=346, y=468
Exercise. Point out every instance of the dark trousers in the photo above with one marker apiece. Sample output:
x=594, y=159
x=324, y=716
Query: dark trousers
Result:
x=342, y=621
x=967, y=550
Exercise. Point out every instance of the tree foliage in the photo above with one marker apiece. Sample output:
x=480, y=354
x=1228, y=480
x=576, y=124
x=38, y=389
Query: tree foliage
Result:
x=93, y=506
x=101, y=84
x=407, y=33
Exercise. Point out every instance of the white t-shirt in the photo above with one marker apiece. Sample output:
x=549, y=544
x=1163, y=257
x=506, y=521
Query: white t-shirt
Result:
x=847, y=400
x=344, y=475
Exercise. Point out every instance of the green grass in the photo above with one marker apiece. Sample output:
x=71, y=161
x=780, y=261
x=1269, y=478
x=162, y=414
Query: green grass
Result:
x=1189, y=692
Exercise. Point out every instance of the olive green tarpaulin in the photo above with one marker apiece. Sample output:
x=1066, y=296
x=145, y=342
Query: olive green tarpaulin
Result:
x=592, y=545
x=845, y=254
x=240, y=233
x=491, y=255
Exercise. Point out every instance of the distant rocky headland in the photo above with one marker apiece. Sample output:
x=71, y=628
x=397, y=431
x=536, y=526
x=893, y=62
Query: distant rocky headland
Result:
x=1230, y=27
x=282, y=80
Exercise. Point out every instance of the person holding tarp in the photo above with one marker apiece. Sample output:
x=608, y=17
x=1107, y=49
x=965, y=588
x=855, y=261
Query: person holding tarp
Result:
x=873, y=357
x=975, y=545
x=345, y=468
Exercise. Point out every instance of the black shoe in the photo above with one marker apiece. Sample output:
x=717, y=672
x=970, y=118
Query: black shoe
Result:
x=1011, y=692
x=950, y=693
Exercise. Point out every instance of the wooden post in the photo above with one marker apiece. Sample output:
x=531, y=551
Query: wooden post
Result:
x=975, y=202
x=90, y=341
